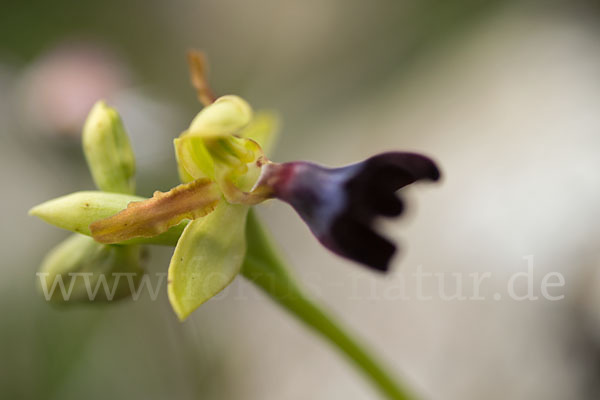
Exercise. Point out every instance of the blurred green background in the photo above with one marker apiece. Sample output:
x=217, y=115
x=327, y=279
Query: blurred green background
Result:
x=505, y=95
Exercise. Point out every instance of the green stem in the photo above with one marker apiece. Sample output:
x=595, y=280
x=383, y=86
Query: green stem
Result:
x=264, y=268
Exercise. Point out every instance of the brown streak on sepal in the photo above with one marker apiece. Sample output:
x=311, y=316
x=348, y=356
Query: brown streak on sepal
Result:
x=156, y=215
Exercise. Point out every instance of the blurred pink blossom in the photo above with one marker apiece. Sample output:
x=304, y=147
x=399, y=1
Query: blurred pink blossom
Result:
x=60, y=87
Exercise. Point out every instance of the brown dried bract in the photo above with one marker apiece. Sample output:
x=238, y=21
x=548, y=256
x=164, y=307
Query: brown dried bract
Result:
x=198, y=71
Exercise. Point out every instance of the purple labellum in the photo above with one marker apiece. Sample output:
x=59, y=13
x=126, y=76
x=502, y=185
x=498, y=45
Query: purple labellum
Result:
x=340, y=204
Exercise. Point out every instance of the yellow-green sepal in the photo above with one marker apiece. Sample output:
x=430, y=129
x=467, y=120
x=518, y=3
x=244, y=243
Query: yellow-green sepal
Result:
x=81, y=270
x=207, y=258
x=76, y=211
x=108, y=151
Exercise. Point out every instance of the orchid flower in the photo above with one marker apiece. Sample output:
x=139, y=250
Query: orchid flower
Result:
x=224, y=171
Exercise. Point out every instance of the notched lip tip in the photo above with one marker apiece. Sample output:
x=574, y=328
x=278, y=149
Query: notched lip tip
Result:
x=436, y=175
x=383, y=269
x=382, y=266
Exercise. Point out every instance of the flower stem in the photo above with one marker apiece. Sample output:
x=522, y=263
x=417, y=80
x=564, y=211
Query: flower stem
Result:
x=264, y=268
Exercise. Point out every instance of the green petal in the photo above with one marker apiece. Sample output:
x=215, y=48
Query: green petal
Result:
x=207, y=258
x=76, y=211
x=193, y=159
x=82, y=270
x=108, y=151
x=263, y=129
x=226, y=116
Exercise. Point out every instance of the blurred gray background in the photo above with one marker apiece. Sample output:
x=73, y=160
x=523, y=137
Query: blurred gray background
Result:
x=505, y=95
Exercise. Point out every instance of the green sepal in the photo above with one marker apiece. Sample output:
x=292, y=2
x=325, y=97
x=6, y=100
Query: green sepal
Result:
x=207, y=258
x=76, y=211
x=82, y=270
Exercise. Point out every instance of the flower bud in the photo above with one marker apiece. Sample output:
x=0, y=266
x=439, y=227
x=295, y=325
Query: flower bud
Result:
x=108, y=151
x=82, y=270
x=340, y=205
